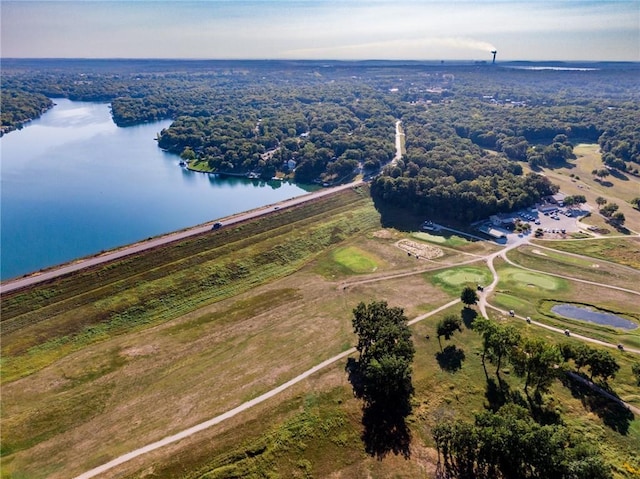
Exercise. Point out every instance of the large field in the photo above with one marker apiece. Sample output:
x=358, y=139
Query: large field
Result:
x=575, y=178
x=102, y=362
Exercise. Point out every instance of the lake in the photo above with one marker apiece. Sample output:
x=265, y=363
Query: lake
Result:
x=74, y=184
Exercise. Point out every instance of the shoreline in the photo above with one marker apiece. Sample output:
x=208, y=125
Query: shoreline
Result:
x=45, y=274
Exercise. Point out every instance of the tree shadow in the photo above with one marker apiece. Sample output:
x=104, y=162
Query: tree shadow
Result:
x=543, y=413
x=614, y=415
x=557, y=164
x=618, y=174
x=498, y=393
x=402, y=219
x=468, y=317
x=355, y=378
x=386, y=430
x=450, y=359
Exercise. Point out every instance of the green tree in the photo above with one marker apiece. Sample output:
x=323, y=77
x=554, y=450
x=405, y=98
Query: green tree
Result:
x=382, y=377
x=609, y=209
x=602, y=364
x=386, y=351
x=601, y=201
x=535, y=360
x=498, y=341
x=509, y=444
x=469, y=296
x=447, y=326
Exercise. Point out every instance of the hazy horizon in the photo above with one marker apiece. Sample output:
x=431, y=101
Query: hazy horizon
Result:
x=423, y=30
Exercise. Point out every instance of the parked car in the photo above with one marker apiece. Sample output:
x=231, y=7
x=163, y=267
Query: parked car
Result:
x=216, y=226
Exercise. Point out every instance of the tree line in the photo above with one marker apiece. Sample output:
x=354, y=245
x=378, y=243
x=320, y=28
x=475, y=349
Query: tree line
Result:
x=467, y=127
x=513, y=437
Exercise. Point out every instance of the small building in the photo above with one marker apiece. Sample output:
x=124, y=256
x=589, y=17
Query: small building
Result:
x=547, y=207
x=557, y=199
x=501, y=219
x=493, y=232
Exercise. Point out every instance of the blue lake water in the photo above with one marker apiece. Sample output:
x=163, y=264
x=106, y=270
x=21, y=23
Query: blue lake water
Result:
x=74, y=184
x=592, y=316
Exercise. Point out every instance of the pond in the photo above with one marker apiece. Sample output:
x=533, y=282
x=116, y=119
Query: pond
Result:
x=584, y=313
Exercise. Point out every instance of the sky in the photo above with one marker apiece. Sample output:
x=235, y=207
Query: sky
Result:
x=594, y=30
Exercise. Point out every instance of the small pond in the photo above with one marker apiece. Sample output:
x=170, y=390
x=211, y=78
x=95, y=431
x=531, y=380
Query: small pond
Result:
x=591, y=315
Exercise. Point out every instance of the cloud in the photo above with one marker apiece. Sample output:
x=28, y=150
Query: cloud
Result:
x=400, y=48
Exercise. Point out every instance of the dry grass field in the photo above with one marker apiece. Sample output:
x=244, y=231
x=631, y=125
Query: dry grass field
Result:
x=617, y=188
x=111, y=389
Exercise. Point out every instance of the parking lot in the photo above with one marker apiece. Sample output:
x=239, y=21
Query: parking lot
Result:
x=553, y=224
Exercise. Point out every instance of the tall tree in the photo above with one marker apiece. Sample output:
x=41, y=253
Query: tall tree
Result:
x=386, y=351
x=447, y=326
x=509, y=444
x=498, y=341
x=469, y=296
x=535, y=360
x=384, y=376
x=602, y=364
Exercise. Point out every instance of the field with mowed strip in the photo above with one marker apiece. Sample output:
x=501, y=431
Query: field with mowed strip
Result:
x=104, y=361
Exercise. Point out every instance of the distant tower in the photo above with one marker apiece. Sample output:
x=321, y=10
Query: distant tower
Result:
x=494, y=56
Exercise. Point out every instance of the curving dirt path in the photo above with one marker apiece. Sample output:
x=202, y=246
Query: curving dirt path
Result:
x=237, y=410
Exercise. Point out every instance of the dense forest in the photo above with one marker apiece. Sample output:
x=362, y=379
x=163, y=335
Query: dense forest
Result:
x=19, y=107
x=468, y=128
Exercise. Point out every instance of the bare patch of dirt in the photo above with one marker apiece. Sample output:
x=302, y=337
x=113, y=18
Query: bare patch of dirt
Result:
x=383, y=234
x=135, y=351
x=419, y=250
x=537, y=251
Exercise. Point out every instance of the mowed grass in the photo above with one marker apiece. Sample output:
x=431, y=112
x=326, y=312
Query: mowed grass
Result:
x=452, y=241
x=533, y=294
x=511, y=277
x=625, y=251
x=590, y=269
x=354, y=260
x=453, y=280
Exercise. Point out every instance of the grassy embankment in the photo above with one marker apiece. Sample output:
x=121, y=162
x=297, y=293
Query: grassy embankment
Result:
x=53, y=319
x=126, y=385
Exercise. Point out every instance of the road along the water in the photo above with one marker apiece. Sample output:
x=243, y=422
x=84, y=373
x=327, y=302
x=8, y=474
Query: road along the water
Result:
x=163, y=240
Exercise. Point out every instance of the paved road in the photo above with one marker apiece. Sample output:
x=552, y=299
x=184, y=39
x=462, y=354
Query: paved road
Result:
x=162, y=240
x=399, y=138
x=233, y=412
